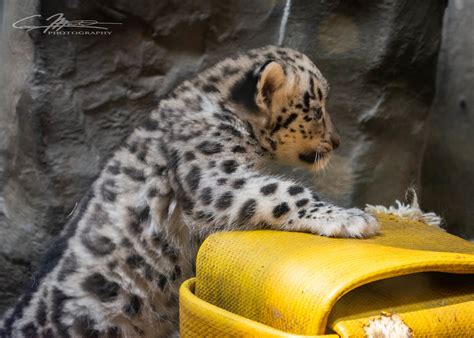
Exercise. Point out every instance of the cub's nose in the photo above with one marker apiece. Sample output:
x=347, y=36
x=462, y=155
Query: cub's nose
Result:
x=335, y=140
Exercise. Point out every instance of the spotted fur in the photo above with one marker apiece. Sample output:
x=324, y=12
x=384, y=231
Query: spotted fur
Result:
x=193, y=168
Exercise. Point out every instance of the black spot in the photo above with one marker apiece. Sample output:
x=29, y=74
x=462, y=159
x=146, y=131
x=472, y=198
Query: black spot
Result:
x=150, y=124
x=138, y=216
x=133, y=307
x=101, y=287
x=206, y=196
x=58, y=299
x=229, y=71
x=298, y=106
x=275, y=128
x=149, y=272
x=159, y=170
x=132, y=147
x=69, y=266
x=301, y=213
x=112, y=265
x=280, y=210
x=97, y=244
x=308, y=157
x=295, y=190
x=209, y=148
x=290, y=119
x=141, y=156
x=29, y=330
x=247, y=211
x=238, y=149
x=229, y=166
x=161, y=282
x=226, y=117
x=212, y=164
x=193, y=178
x=188, y=204
x=269, y=189
x=125, y=242
x=302, y=202
x=239, y=183
x=201, y=215
x=135, y=261
x=152, y=192
x=189, y=156
x=306, y=99
x=134, y=173
x=170, y=251
x=213, y=78
x=113, y=169
x=320, y=94
x=84, y=327
x=329, y=211
x=222, y=181
x=209, y=88
x=224, y=201
x=316, y=197
x=229, y=129
x=41, y=313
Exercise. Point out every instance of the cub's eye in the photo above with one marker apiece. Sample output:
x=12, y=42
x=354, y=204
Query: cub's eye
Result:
x=318, y=113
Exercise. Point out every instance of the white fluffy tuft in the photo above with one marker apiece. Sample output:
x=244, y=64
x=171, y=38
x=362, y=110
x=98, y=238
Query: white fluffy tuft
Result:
x=387, y=326
x=410, y=211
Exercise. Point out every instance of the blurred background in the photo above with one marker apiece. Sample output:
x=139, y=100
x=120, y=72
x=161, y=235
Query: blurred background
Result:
x=401, y=75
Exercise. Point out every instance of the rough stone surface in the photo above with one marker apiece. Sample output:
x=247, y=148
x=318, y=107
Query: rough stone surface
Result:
x=379, y=57
x=22, y=232
x=71, y=100
x=448, y=169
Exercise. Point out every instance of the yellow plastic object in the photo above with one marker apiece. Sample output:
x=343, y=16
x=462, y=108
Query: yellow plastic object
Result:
x=295, y=282
x=201, y=319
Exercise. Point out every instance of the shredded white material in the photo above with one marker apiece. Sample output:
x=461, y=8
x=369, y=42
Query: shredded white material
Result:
x=410, y=211
x=387, y=326
x=284, y=20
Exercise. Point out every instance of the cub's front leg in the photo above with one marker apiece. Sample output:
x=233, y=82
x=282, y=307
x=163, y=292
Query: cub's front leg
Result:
x=245, y=199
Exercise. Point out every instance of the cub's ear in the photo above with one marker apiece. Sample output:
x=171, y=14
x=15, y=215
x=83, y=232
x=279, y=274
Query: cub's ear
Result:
x=255, y=90
x=271, y=78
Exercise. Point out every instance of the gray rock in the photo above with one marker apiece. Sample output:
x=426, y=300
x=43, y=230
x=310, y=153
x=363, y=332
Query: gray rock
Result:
x=448, y=164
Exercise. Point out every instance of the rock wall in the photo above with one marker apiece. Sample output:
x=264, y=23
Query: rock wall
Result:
x=71, y=100
x=21, y=239
x=448, y=166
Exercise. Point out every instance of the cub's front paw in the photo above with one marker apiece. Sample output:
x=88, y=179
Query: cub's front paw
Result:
x=345, y=223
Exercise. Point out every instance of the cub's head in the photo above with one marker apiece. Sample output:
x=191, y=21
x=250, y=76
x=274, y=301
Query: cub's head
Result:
x=284, y=98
